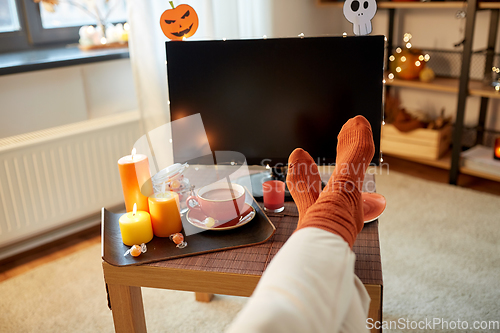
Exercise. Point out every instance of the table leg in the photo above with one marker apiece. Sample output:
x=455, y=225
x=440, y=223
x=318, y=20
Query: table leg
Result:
x=204, y=297
x=127, y=308
x=375, y=311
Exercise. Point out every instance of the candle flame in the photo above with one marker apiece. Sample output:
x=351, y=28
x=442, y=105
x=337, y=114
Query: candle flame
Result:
x=163, y=189
x=134, y=210
x=134, y=151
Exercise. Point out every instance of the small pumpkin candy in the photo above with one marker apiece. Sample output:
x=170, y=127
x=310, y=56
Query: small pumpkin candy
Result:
x=179, y=22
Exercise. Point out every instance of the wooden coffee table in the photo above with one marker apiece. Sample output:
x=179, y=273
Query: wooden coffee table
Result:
x=230, y=272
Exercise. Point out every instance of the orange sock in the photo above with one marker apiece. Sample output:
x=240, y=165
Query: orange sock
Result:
x=338, y=208
x=303, y=180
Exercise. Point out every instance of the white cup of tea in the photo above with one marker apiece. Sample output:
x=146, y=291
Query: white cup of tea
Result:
x=222, y=201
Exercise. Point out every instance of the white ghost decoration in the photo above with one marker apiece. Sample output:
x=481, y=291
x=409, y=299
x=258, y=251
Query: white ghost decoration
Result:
x=360, y=13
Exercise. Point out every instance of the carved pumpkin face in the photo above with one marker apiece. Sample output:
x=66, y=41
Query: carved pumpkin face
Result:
x=179, y=22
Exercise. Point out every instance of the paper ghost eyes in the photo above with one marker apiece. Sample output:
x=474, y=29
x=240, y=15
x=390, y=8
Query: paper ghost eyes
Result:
x=179, y=22
x=360, y=13
x=355, y=6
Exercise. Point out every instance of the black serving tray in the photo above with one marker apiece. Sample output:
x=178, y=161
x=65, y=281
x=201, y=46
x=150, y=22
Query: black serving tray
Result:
x=257, y=231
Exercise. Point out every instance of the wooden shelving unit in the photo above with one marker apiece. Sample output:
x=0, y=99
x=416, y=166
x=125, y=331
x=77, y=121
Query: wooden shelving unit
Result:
x=477, y=88
x=439, y=84
x=445, y=163
x=444, y=84
x=463, y=87
x=489, y=5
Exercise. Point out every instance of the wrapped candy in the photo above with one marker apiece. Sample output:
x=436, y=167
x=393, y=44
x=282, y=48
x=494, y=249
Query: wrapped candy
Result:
x=136, y=250
x=178, y=239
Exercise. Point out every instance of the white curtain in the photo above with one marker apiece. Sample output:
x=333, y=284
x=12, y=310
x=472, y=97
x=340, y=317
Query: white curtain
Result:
x=218, y=19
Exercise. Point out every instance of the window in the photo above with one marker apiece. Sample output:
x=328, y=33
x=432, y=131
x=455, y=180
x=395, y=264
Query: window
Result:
x=8, y=16
x=67, y=15
x=25, y=24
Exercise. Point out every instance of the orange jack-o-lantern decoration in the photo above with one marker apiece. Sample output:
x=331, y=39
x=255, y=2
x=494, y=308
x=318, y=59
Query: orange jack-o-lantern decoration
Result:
x=179, y=22
x=407, y=64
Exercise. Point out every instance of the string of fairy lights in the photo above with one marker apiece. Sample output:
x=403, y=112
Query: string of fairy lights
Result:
x=404, y=59
x=496, y=84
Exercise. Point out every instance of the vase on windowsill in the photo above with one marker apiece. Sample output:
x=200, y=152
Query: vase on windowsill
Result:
x=101, y=37
x=94, y=37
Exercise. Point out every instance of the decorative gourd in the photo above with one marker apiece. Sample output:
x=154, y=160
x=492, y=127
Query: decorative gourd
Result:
x=427, y=75
x=407, y=65
x=179, y=22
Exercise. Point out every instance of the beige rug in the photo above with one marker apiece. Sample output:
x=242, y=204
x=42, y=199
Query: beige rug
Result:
x=440, y=251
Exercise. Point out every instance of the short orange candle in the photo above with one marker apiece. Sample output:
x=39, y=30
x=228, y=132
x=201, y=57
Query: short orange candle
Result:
x=496, y=155
x=135, y=227
x=135, y=176
x=165, y=216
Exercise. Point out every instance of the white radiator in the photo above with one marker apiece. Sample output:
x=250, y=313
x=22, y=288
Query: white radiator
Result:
x=53, y=178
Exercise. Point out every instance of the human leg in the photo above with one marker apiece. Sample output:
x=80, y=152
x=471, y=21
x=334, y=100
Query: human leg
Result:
x=310, y=285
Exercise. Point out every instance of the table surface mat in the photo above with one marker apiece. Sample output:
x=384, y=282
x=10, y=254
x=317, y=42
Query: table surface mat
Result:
x=253, y=260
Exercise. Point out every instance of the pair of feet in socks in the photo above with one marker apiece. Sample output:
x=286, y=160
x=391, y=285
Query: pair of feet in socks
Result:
x=338, y=208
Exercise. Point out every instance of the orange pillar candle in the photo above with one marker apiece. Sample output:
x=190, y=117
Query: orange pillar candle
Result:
x=496, y=154
x=136, y=227
x=135, y=176
x=165, y=216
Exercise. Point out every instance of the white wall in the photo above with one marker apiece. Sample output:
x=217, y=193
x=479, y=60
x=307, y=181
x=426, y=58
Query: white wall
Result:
x=292, y=17
x=109, y=87
x=42, y=99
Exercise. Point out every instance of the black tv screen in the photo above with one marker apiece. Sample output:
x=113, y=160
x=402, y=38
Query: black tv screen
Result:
x=265, y=97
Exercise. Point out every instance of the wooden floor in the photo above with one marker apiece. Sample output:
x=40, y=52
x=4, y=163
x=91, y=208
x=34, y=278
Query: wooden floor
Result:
x=22, y=263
